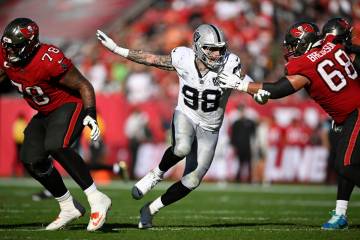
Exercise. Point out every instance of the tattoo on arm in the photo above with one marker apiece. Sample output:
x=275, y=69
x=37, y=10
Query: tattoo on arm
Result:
x=159, y=61
x=74, y=80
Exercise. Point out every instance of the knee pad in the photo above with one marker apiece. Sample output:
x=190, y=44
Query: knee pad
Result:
x=181, y=150
x=191, y=180
x=40, y=169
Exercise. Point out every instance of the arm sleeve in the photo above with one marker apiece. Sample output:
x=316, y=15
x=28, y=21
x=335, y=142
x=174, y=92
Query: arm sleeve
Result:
x=279, y=89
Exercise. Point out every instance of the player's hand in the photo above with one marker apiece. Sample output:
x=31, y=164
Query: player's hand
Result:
x=262, y=96
x=232, y=81
x=106, y=41
x=95, y=130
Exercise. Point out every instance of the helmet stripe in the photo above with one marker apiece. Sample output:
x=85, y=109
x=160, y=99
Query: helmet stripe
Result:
x=216, y=31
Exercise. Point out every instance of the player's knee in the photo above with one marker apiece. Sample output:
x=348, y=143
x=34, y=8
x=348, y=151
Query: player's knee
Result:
x=182, y=149
x=40, y=169
x=191, y=181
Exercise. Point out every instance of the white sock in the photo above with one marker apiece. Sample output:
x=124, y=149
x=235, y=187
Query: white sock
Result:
x=341, y=207
x=65, y=201
x=156, y=205
x=91, y=190
x=158, y=172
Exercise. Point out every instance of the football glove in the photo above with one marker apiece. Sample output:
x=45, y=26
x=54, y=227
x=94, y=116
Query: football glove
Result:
x=111, y=45
x=95, y=130
x=232, y=81
x=262, y=96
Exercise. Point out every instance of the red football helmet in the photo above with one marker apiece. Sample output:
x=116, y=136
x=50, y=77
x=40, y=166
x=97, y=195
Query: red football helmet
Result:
x=20, y=40
x=300, y=37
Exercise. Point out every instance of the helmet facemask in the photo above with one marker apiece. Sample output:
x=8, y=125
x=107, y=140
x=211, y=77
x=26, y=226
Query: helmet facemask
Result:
x=210, y=46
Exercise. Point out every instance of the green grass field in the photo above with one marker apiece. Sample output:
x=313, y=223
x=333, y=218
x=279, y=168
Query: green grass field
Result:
x=213, y=211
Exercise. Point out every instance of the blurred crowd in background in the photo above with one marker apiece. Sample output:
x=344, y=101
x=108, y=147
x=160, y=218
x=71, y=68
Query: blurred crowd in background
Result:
x=255, y=31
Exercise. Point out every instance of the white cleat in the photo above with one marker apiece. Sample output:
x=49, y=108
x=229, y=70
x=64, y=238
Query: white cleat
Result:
x=99, y=209
x=144, y=185
x=66, y=216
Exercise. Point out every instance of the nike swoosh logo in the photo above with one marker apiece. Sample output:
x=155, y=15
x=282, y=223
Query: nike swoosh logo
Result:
x=60, y=61
x=95, y=223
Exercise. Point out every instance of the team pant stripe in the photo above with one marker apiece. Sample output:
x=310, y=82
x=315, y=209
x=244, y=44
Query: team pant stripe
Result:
x=352, y=141
x=72, y=124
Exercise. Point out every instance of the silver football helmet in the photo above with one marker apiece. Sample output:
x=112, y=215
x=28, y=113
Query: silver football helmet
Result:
x=209, y=37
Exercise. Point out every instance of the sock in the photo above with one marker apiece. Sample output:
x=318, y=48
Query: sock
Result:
x=158, y=172
x=174, y=193
x=341, y=207
x=91, y=190
x=65, y=201
x=168, y=160
x=156, y=205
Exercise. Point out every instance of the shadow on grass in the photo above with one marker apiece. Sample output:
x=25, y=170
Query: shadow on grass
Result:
x=116, y=227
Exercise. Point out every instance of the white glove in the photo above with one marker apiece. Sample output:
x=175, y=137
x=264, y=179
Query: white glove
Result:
x=232, y=81
x=262, y=96
x=111, y=45
x=95, y=131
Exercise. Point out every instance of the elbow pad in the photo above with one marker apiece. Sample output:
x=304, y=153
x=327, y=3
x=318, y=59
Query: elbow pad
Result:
x=279, y=89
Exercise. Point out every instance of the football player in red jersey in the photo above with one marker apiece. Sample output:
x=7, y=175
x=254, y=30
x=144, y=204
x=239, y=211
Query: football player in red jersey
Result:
x=338, y=30
x=327, y=73
x=65, y=102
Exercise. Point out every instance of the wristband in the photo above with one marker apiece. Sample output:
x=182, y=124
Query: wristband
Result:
x=91, y=111
x=243, y=86
x=124, y=52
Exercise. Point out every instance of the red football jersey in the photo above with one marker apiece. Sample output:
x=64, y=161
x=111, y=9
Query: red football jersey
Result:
x=335, y=84
x=38, y=80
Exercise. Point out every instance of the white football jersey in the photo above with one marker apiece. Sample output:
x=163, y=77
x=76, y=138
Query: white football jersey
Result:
x=201, y=98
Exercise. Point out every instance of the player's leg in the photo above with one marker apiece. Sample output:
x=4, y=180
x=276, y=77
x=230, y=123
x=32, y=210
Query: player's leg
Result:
x=348, y=158
x=40, y=167
x=347, y=165
x=183, y=134
x=64, y=126
x=197, y=164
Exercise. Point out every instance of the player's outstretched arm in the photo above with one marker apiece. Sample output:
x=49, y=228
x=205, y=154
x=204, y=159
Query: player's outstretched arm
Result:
x=285, y=86
x=138, y=56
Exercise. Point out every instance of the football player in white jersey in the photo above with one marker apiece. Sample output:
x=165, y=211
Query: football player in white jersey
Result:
x=198, y=115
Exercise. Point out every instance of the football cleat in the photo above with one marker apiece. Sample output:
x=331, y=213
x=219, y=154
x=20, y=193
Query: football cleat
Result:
x=145, y=217
x=99, y=209
x=66, y=216
x=336, y=222
x=144, y=185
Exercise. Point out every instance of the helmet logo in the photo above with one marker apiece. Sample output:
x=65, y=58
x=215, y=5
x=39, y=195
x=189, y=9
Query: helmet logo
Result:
x=344, y=23
x=196, y=36
x=28, y=32
x=300, y=30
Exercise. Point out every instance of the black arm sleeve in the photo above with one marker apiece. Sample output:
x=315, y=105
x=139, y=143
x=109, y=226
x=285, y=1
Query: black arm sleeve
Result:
x=279, y=89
